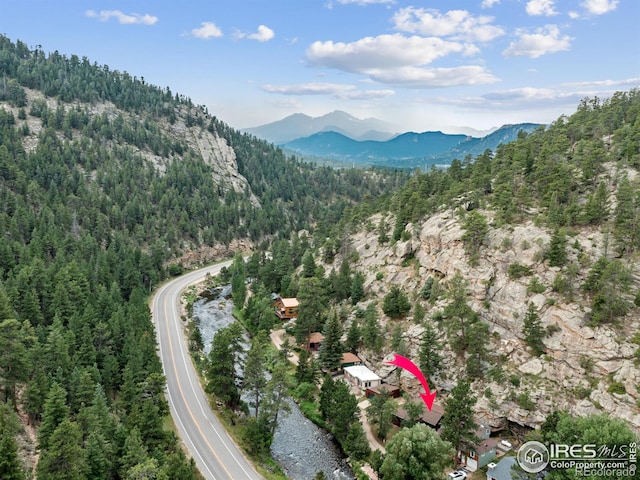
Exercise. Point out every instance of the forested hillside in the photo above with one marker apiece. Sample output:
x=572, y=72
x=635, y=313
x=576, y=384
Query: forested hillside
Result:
x=517, y=270
x=105, y=182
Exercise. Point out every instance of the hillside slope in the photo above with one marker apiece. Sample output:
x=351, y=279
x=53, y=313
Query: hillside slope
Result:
x=580, y=362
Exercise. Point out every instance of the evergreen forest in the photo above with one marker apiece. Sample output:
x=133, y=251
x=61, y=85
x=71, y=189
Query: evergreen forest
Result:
x=101, y=200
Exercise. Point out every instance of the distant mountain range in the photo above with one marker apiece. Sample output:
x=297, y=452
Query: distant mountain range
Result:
x=300, y=125
x=342, y=138
x=408, y=150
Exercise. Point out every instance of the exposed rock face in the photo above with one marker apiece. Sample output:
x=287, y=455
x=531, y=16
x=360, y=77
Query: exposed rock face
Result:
x=213, y=149
x=580, y=362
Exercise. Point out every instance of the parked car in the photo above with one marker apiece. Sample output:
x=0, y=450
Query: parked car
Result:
x=458, y=475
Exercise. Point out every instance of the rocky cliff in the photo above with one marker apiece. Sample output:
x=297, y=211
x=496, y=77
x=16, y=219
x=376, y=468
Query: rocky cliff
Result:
x=580, y=363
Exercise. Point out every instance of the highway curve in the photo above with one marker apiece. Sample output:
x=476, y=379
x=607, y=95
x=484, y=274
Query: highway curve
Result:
x=215, y=454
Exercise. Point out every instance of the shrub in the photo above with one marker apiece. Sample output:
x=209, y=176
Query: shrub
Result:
x=617, y=387
x=536, y=286
x=516, y=270
x=514, y=380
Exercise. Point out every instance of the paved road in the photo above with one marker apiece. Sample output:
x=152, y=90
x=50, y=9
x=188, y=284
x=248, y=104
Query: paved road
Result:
x=215, y=454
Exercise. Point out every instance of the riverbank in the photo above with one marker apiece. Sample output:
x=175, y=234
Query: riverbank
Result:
x=300, y=448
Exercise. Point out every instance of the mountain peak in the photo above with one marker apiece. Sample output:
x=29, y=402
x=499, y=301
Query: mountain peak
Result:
x=300, y=125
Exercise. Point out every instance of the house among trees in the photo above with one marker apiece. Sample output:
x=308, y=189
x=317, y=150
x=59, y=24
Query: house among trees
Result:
x=430, y=418
x=501, y=470
x=479, y=454
x=391, y=390
x=314, y=342
x=361, y=376
x=286, y=308
x=349, y=360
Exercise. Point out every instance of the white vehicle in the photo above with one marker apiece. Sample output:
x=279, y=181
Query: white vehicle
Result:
x=458, y=475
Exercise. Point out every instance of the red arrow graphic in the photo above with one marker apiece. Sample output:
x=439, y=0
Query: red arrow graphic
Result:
x=403, y=362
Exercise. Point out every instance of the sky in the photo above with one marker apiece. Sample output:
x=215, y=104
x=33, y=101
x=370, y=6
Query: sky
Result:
x=419, y=65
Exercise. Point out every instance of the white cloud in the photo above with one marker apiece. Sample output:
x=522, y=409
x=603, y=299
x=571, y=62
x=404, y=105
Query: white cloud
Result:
x=627, y=82
x=416, y=77
x=264, y=34
x=489, y=3
x=122, y=18
x=206, y=31
x=380, y=53
x=573, y=15
x=544, y=40
x=337, y=90
x=540, y=7
x=599, y=7
x=458, y=24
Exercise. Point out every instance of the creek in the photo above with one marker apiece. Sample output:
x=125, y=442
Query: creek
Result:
x=300, y=447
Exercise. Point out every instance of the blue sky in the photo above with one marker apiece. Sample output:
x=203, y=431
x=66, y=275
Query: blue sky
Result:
x=419, y=65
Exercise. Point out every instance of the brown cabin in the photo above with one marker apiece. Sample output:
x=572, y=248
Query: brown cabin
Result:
x=314, y=342
x=349, y=360
x=286, y=308
x=430, y=418
x=391, y=390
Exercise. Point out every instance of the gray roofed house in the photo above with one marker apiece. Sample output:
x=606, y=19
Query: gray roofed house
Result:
x=502, y=470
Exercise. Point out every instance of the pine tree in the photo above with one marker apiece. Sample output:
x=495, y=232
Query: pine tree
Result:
x=371, y=332
x=557, y=254
x=55, y=412
x=331, y=350
x=476, y=228
x=459, y=314
x=627, y=217
x=356, y=443
x=395, y=303
x=380, y=412
x=64, y=458
x=533, y=331
x=429, y=356
x=255, y=379
x=458, y=424
x=238, y=281
x=357, y=288
x=224, y=354
x=10, y=467
x=354, y=337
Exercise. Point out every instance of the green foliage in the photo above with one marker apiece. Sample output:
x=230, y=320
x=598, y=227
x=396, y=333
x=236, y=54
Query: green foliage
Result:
x=536, y=286
x=459, y=314
x=458, y=425
x=524, y=401
x=517, y=270
x=238, y=280
x=338, y=407
x=417, y=453
x=425, y=293
x=10, y=466
x=221, y=373
x=617, y=387
x=354, y=337
x=395, y=303
x=429, y=355
x=356, y=444
x=475, y=229
x=609, y=283
x=371, y=333
x=601, y=429
x=557, y=253
x=533, y=331
x=331, y=350
x=380, y=413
